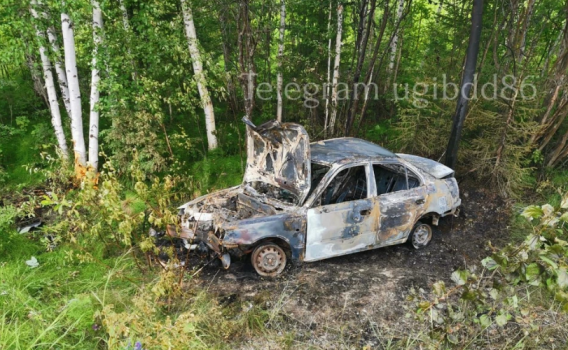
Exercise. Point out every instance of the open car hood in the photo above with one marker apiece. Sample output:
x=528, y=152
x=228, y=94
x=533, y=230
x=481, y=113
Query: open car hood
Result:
x=438, y=170
x=279, y=155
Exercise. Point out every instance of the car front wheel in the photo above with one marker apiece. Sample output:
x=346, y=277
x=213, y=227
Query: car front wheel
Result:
x=421, y=235
x=268, y=259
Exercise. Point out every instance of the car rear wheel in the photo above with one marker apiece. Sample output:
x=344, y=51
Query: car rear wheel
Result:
x=421, y=235
x=268, y=259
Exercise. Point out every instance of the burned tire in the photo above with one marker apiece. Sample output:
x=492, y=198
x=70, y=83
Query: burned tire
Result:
x=268, y=259
x=421, y=235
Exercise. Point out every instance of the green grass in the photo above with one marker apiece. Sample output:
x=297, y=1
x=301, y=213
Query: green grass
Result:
x=53, y=305
x=217, y=172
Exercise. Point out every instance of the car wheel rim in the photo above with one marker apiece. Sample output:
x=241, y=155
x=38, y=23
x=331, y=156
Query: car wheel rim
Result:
x=270, y=261
x=421, y=236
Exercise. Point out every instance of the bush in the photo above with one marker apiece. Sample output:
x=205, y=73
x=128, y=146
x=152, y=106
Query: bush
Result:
x=7, y=216
x=519, y=291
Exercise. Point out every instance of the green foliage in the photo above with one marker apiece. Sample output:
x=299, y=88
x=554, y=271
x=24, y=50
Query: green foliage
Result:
x=514, y=285
x=7, y=217
x=53, y=305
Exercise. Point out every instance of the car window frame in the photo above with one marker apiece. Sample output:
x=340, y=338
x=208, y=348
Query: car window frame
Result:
x=408, y=167
x=334, y=171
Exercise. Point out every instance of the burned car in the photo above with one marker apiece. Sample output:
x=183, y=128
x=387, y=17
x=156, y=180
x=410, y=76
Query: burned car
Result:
x=305, y=202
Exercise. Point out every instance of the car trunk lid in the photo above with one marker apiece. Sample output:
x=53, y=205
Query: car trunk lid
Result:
x=438, y=170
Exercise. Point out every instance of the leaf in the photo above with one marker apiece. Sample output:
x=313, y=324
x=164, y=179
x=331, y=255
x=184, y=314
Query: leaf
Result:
x=564, y=217
x=32, y=262
x=548, y=261
x=562, y=277
x=485, y=321
x=532, y=271
x=494, y=293
x=452, y=338
x=564, y=203
x=439, y=288
x=547, y=209
x=532, y=212
x=459, y=277
x=489, y=263
x=501, y=320
x=532, y=241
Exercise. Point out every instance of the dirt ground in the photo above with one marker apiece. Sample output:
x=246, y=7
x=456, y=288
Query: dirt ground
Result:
x=356, y=298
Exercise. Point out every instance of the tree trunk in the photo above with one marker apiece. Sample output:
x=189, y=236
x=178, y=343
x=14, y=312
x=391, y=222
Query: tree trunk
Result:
x=199, y=75
x=394, y=42
x=246, y=46
x=371, y=70
x=526, y=23
x=467, y=82
x=50, y=87
x=280, y=56
x=560, y=151
x=74, y=95
x=327, y=87
x=508, y=122
x=336, y=69
x=36, y=78
x=357, y=74
x=59, y=69
x=232, y=96
x=124, y=12
x=95, y=79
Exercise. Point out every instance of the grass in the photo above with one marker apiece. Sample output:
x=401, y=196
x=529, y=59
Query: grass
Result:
x=53, y=305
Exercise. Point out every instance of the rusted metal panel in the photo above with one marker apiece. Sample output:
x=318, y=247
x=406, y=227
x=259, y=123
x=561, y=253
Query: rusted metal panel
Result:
x=341, y=229
x=347, y=149
x=430, y=166
x=289, y=228
x=279, y=155
x=399, y=212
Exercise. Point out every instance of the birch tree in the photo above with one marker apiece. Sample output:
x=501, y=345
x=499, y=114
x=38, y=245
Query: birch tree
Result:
x=95, y=79
x=74, y=94
x=125, y=22
x=280, y=56
x=50, y=87
x=59, y=69
x=394, y=42
x=199, y=75
x=336, y=68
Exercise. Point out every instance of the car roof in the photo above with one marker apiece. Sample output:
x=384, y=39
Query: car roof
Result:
x=337, y=150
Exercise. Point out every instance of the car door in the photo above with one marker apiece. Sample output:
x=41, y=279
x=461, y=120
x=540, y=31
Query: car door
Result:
x=401, y=199
x=344, y=219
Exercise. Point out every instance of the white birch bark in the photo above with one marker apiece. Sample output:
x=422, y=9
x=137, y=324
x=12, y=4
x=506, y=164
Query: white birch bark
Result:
x=336, y=68
x=125, y=23
x=280, y=55
x=394, y=43
x=95, y=79
x=328, y=71
x=74, y=92
x=199, y=76
x=59, y=69
x=51, y=93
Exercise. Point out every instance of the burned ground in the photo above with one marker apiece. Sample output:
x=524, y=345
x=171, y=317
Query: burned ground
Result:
x=364, y=294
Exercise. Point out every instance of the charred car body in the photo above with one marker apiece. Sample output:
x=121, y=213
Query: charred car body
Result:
x=307, y=202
